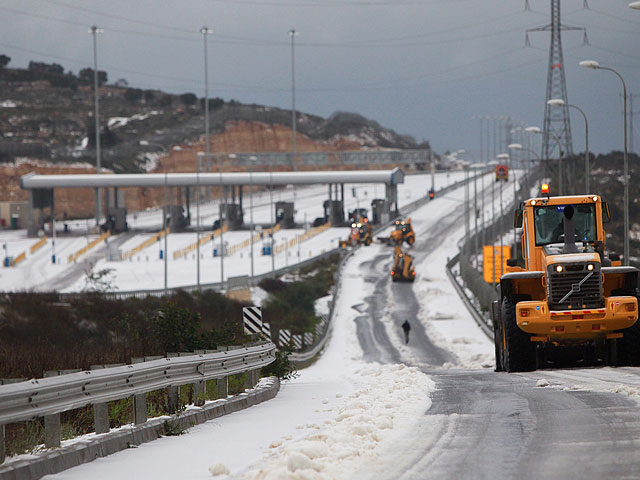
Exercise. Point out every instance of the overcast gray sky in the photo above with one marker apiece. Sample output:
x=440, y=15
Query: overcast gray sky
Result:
x=420, y=67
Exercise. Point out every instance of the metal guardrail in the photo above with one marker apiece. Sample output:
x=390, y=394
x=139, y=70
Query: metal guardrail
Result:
x=46, y=396
x=483, y=322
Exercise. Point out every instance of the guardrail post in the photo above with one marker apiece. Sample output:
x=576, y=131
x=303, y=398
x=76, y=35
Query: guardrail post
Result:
x=223, y=387
x=2, y=454
x=139, y=402
x=101, y=417
x=139, y=409
x=52, y=422
x=251, y=379
x=199, y=390
x=173, y=394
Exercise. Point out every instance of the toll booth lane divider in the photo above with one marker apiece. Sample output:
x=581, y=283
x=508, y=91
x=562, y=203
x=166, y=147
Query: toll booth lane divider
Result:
x=74, y=256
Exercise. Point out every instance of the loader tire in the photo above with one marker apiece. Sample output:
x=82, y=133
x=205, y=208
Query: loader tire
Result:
x=497, y=343
x=519, y=352
x=629, y=346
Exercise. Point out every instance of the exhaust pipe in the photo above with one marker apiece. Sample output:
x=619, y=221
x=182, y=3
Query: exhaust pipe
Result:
x=569, y=231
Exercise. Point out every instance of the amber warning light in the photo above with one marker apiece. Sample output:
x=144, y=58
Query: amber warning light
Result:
x=545, y=189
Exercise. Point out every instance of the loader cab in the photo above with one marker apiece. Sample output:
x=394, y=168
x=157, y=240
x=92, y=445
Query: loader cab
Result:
x=541, y=220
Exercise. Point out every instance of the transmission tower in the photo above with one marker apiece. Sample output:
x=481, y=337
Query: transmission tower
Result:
x=557, y=142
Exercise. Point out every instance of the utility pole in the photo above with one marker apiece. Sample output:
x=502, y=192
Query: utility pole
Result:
x=293, y=34
x=94, y=31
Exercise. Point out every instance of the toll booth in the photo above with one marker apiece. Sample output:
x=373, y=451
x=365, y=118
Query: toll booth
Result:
x=380, y=211
x=334, y=212
x=116, y=214
x=284, y=214
x=231, y=213
x=116, y=220
x=176, y=219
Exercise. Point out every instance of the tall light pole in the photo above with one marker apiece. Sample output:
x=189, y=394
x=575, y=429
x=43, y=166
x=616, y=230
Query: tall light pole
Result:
x=206, y=31
x=293, y=34
x=505, y=157
x=538, y=131
x=251, y=159
x=596, y=66
x=273, y=225
x=94, y=30
x=558, y=102
x=165, y=210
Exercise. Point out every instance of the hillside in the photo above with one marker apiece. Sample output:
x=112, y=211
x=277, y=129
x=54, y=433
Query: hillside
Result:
x=47, y=114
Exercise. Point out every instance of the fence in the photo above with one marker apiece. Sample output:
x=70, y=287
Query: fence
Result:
x=74, y=256
x=48, y=397
x=301, y=238
x=147, y=243
x=203, y=240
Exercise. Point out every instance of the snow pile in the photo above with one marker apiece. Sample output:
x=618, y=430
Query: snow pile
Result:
x=360, y=430
x=218, y=469
x=543, y=382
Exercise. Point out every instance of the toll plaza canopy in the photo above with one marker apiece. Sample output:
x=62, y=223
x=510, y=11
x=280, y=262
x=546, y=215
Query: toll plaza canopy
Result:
x=34, y=181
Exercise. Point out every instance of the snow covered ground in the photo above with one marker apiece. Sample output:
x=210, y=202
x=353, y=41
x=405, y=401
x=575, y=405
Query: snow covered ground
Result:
x=341, y=418
x=145, y=270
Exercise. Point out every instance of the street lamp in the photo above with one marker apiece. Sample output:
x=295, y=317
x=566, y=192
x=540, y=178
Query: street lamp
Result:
x=538, y=131
x=558, y=102
x=206, y=31
x=505, y=157
x=293, y=34
x=635, y=5
x=252, y=159
x=596, y=66
x=94, y=31
x=165, y=209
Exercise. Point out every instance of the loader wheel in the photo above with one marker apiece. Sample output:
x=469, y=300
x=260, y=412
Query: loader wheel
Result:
x=629, y=346
x=519, y=352
x=497, y=343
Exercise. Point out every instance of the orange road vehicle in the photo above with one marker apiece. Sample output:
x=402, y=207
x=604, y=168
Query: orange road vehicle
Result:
x=403, y=232
x=502, y=173
x=402, y=269
x=569, y=293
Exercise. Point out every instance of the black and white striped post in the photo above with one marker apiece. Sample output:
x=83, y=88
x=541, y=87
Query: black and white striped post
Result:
x=284, y=337
x=252, y=320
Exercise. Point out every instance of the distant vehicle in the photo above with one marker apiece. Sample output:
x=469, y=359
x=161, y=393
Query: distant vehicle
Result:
x=502, y=173
x=402, y=269
x=358, y=214
x=403, y=232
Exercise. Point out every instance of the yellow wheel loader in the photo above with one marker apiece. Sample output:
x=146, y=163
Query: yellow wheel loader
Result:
x=569, y=293
x=403, y=232
x=402, y=270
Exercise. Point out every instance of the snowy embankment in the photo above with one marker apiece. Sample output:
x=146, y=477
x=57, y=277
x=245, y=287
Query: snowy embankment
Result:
x=339, y=416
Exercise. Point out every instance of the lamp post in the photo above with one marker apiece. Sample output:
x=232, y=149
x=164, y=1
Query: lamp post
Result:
x=558, y=102
x=94, y=30
x=206, y=31
x=165, y=209
x=293, y=34
x=252, y=159
x=538, y=131
x=596, y=66
x=273, y=225
x=502, y=157
x=518, y=146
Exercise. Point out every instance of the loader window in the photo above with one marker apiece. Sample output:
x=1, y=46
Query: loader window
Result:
x=549, y=223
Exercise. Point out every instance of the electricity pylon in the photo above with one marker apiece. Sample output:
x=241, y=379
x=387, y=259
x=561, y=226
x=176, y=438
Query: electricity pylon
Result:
x=557, y=142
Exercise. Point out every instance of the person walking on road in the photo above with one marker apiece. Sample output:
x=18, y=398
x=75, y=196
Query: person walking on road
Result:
x=407, y=328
